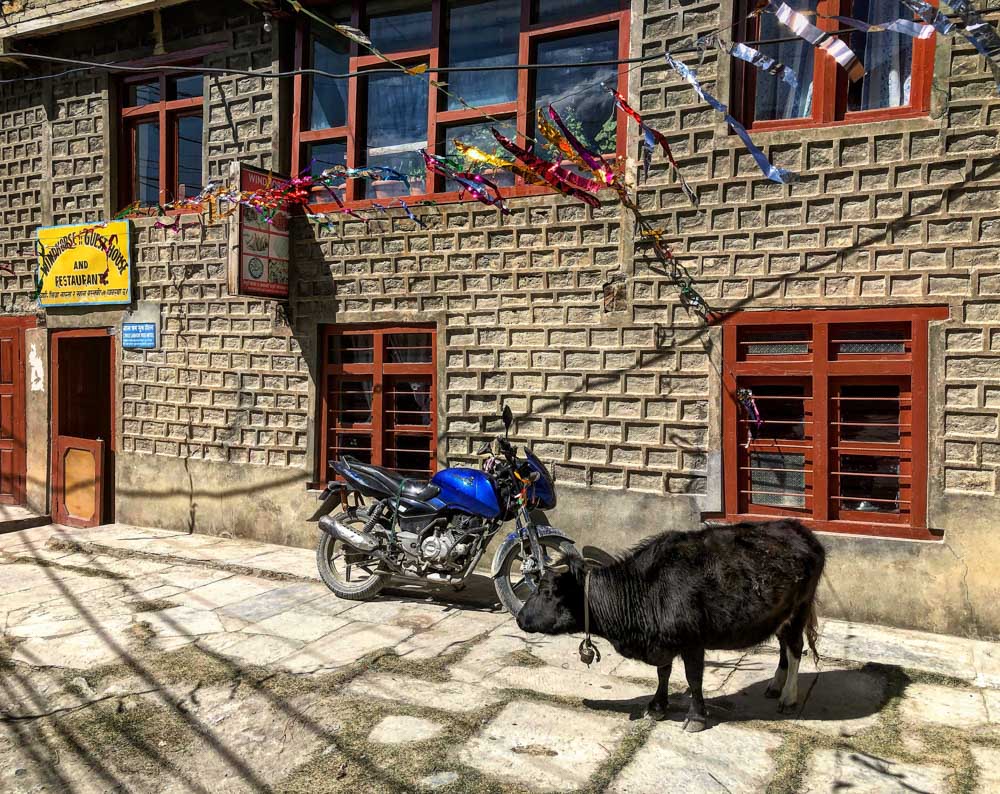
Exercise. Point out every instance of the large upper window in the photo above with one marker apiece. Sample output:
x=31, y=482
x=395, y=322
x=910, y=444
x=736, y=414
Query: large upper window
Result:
x=842, y=399
x=897, y=80
x=378, y=398
x=386, y=117
x=163, y=130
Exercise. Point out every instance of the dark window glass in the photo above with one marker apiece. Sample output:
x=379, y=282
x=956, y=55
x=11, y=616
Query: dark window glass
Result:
x=408, y=349
x=144, y=93
x=479, y=135
x=328, y=105
x=398, y=25
x=869, y=484
x=483, y=33
x=869, y=413
x=409, y=401
x=575, y=91
x=189, y=132
x=397, y=130
x=357, y=445
x=147, y=163
x=775, y=99
x=186, y=86
x=551, y=11
x=782, y=407
x=354, y=406
x=352, y=349
x=888, y=61
x=777, y=480
x=409, y=454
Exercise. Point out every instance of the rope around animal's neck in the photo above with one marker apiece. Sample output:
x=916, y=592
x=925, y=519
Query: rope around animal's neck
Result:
x=588, y=651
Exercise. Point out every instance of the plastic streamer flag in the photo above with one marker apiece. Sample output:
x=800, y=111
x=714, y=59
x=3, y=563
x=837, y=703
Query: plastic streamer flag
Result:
x=366, y=172
x=410, y=215
x=564, y=181
x=480, y=187
x=593, y=161
x=745, y=398
x=981, y=34
x=769, y=170
x=759, y=60
x=822, y=39
x=930, y=15
x=479, y=156
x=650, y=138
x=907, y=27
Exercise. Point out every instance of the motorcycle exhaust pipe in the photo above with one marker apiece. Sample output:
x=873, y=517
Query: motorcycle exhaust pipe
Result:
x=362, y=541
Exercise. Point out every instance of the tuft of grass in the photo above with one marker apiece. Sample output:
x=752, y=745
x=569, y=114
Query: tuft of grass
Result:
x=791, y=760
x=10, y=559
x=150, y=605
x=634, y=739
x=524, y=658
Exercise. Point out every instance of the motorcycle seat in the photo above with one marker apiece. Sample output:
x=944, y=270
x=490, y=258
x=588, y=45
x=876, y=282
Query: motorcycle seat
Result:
x=391, y=481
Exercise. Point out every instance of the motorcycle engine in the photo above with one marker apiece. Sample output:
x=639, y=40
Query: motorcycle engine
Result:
x=442, y=548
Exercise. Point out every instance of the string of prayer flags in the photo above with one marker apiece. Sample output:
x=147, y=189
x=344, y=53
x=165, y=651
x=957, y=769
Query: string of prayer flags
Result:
x=759, y=60
x=566, y=182
x=477, y=155
x=593, y=161
x=480, y=187
x=931, y=15
x=651, y=137
x=410, y=215
x=769, y=170
x=822, y=39
x=906, y=27
x=366, y=172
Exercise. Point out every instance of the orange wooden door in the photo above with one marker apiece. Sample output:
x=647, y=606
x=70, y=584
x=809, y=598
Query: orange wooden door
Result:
x=12, y=457
x=79, y=482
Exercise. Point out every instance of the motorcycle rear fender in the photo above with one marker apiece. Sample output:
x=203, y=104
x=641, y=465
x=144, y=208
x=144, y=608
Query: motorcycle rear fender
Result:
x=333, y=497
x=543, y=530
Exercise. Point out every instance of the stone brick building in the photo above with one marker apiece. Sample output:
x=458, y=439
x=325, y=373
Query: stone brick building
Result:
x=860, y=305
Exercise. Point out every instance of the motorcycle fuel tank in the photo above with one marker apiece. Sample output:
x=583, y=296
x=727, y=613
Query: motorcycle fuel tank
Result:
x=468, y=490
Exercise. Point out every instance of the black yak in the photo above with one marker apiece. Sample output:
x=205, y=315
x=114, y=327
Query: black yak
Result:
x=682, y=593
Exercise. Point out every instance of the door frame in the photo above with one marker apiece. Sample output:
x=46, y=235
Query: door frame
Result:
x=20, y=324
x=109, y=444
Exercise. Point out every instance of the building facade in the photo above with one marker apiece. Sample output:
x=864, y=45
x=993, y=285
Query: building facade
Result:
x=856, y=310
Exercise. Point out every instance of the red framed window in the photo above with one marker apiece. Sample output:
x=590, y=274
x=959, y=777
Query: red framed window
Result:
x=843, y=399
x=379, y=397
x=162, y=136
x=898, y=69
x=386, y=117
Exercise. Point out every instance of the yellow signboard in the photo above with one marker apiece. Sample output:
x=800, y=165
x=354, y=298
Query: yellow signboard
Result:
x=85, y=264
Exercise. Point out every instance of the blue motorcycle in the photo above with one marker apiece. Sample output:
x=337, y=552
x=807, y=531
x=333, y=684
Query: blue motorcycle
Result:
x=436, y=532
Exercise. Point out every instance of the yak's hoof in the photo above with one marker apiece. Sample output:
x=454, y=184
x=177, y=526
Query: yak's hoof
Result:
x=786, y=708
x=694, y=724
x=774, y=692
x=656, y=711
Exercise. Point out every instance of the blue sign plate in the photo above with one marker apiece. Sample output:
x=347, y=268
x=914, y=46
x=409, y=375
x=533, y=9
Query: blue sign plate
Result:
x=140, y=336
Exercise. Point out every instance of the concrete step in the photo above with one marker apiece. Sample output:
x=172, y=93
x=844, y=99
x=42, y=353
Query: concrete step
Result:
x=16, y=517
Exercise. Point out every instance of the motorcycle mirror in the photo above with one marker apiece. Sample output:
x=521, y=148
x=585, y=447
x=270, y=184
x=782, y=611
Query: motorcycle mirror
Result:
x=508, y=418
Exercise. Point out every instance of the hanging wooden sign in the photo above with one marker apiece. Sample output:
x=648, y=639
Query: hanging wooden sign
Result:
x=258, y=262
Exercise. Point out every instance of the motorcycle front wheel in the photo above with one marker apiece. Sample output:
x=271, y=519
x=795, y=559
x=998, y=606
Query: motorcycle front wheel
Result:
x=349, y=573
x=513, y=584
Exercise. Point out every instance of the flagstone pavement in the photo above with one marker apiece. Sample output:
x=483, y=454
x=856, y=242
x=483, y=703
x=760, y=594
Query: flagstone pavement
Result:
x=144, y=660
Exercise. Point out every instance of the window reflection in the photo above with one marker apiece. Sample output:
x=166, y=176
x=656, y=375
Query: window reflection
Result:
x=328, y=106
x=575, y=91
x=144, y=93
x=775, y=99
x=147, y=163
x=550, y=11
x=189, y=132
x=397, y=130
x=479, y=135
x=888, y=63
x=398, y=25
x=482, y=33
x=869, y=413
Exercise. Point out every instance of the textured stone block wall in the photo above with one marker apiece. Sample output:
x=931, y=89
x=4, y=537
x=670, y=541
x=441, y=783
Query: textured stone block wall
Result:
x=894, y=213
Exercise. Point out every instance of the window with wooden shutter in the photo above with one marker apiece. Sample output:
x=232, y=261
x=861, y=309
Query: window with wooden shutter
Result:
x=841, y=397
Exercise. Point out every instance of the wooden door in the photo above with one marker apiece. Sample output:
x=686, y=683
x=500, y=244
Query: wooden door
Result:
x=82, y=427
x=79, y=487
x=12, y=456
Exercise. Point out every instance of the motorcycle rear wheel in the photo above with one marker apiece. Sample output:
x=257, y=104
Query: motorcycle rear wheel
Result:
x=349, y=573
x=513, y=586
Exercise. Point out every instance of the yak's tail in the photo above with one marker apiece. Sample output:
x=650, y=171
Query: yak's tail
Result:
x=812, y=629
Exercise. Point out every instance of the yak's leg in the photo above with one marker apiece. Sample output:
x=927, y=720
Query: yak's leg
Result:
x=780, y=673
x=694, y=668
x=791, y=639
x=657, y=708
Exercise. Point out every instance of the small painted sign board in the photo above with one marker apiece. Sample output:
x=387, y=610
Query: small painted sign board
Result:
x=258, y=262
x=85, y=264
x=139, y=336
x=141, y=327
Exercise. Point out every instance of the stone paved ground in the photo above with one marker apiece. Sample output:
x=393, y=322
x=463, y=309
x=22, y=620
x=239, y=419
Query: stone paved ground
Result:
x=143, y=660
